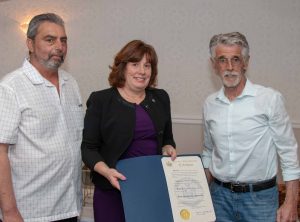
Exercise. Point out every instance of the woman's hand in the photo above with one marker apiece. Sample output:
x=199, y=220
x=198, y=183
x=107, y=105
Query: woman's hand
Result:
x=113, y=177
x=111, y=174
x=169, y=151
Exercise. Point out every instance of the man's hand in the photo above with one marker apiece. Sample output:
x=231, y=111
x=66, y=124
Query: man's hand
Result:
x=12, y=216
x=8, y=203
x=288, y=210
x=209, y=177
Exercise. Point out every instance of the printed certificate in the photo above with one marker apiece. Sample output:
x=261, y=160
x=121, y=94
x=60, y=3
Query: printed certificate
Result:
x=188, y=189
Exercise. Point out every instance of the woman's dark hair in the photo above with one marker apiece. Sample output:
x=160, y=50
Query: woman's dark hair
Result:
x=133, y=51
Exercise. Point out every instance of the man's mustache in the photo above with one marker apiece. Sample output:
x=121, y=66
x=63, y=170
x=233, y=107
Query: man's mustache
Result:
x=61, y=55
x=230, y=74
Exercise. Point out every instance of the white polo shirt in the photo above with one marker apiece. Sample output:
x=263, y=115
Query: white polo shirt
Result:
x=44, y=129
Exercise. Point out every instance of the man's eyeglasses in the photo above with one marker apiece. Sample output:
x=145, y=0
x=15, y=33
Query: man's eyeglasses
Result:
x=234, y=61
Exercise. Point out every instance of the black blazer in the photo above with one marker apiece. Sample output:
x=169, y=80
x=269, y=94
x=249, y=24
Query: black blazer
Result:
x=109, y=127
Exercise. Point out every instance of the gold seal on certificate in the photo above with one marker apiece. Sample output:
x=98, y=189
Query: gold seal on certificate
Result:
x=188, y=189
x=185, y=214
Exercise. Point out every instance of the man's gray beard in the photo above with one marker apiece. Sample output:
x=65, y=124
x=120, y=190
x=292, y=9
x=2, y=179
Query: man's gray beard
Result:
x=231, y=74
x=53, y=65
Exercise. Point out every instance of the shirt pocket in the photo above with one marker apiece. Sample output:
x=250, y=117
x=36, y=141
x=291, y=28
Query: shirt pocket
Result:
x=74, y=119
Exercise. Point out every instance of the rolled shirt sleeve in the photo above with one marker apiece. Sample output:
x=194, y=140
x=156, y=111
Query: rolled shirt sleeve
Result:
x=208, y=145
x=284, y=139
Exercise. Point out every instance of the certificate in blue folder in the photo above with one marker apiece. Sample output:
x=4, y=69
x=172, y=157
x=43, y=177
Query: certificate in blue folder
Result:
x=145, y=192
x=158, y=189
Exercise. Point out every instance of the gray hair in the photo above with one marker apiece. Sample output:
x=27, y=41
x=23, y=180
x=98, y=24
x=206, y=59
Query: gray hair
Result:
x=37, y=20
x=232, y=38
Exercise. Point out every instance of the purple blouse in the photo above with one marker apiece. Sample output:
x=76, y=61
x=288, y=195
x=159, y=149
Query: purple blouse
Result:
x=144, y=141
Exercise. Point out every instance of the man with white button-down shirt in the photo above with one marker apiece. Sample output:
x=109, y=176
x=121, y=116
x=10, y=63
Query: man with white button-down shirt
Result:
x=246, y=128
x=41, y=119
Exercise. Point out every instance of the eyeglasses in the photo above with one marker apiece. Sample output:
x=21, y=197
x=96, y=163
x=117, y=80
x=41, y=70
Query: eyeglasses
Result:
x=234, y=61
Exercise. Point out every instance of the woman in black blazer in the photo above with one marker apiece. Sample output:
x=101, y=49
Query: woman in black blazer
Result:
x=130, y=119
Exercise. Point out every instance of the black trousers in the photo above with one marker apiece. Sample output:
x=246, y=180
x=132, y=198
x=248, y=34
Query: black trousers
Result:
x=73, y=219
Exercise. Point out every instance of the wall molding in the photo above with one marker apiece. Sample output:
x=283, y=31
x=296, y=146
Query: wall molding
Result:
x=183, y=119
x=196, y=120
x=296, y=125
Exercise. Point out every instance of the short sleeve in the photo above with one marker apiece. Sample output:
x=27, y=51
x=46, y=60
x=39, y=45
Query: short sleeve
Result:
x=10, y=115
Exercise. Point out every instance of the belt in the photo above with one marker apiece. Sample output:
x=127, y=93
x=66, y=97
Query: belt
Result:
x=245, y=187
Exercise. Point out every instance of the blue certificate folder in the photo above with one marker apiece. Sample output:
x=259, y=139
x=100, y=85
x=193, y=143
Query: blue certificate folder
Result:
x=145, y=193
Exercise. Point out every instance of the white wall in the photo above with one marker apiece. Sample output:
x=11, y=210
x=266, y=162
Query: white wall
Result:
x=180, y=31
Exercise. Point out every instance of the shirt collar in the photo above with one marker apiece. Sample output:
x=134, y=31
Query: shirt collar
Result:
x=249, y=90
x=35, y=77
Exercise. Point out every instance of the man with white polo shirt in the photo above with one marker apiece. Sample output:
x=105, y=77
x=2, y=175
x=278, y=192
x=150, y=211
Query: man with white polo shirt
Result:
x=41, y=120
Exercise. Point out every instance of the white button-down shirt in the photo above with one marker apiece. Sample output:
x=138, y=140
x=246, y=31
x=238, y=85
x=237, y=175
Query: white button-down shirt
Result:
x=44, y=130
x=243, y=137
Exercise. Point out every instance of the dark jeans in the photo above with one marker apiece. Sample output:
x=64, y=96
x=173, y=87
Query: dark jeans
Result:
x=259, y=206
x=73, y=219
